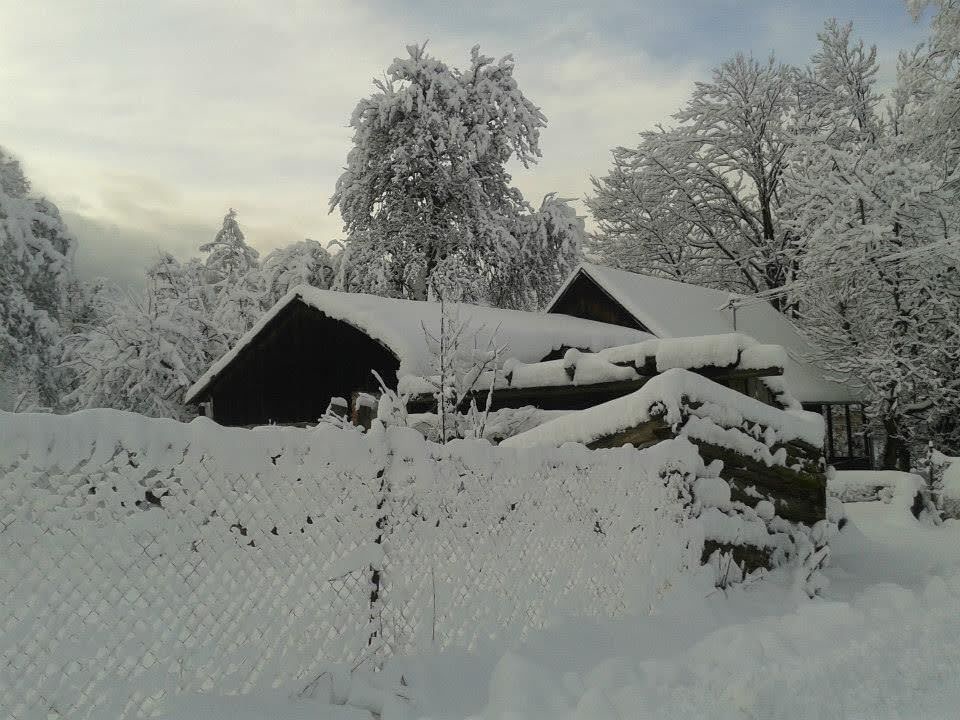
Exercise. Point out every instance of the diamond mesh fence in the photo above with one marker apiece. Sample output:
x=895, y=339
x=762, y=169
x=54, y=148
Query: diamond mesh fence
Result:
x=141, y=559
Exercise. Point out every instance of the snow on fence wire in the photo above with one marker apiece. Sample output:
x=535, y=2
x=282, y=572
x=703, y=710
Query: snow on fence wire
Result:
x=145, y=558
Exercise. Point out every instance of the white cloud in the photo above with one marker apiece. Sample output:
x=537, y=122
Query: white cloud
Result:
x=151, y=119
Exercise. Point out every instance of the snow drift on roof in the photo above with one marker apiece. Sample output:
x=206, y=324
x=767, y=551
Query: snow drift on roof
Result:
x=671, y=309
x=399, y=326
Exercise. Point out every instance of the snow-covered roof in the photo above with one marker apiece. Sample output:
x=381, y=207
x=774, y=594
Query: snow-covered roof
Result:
x=399, y=326
x=671, y=309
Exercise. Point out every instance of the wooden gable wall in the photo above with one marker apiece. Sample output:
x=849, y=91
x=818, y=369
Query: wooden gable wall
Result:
x=296, y=364
x=584, y=298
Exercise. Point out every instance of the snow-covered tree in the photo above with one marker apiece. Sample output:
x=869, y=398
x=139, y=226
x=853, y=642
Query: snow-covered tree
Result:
x=426, y=198
x=302, y=263
x=171, y=282
x=144, y=355
x=928, y=91
x=840, y=88
x=882, y=290
x=702, y=200
x=880, y=280
x=553, y=245
x=459, y=363
x=234, y=284
x=36, y=259
x=229, y=255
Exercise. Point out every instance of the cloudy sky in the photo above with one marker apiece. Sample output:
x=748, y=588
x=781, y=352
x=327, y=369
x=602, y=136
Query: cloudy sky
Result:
x=145, y=121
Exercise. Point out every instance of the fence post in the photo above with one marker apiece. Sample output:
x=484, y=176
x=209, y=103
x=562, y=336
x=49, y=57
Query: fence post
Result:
x=376, y=572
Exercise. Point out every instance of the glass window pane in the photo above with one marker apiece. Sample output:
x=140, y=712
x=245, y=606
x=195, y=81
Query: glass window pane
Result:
x=838, y=417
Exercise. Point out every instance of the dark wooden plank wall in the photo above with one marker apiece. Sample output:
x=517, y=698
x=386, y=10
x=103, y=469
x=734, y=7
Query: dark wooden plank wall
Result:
x=585, y=299
x=300, y=360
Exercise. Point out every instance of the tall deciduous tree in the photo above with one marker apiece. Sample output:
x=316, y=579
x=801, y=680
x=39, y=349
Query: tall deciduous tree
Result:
x=929, y=89
x=702, y=200
x=426, y=198
x=880, y=288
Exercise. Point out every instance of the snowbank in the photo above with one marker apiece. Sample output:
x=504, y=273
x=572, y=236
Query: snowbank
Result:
x=870, y=485
x=671, y=395
x=887, y=652
x=950, y=488
x=882, y=643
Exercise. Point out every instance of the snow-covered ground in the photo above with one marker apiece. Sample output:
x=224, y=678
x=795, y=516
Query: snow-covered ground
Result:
x=883, y=641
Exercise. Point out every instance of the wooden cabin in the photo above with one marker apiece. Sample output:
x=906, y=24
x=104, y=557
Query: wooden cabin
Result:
x=670, y=309
x=316, y=345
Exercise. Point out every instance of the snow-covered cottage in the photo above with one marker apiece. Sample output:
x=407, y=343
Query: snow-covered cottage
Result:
x=605, y=334
x=315, y=345
x=669, y=309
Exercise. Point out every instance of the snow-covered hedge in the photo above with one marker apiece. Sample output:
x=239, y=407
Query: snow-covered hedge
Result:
x=144, y=558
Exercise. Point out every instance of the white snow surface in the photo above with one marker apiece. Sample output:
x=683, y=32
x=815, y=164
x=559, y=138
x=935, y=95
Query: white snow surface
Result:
x=671, y=309
x=142, y=559
x=951, y=480
x=721, y=406
x=723, y=350
x=399, y=326
x=882, y=642
x=868, y=485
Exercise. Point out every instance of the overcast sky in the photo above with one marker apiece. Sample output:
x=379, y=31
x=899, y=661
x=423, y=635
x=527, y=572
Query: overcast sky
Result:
x=145, y=121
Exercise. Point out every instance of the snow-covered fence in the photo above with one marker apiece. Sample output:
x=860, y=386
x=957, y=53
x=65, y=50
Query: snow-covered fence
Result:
x=145, y=558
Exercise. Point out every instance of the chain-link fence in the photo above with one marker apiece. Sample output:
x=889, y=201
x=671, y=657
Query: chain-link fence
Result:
x=145, y=558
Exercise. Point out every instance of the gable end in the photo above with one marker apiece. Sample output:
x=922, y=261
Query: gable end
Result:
x=584, y=298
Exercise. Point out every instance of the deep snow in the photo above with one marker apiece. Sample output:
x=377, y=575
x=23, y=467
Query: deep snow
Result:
x=883, y=641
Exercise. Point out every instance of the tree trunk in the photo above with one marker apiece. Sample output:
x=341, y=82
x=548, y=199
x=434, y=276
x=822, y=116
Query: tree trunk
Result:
x=896, y=454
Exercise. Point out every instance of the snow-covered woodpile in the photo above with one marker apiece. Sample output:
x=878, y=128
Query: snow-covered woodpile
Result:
x=146, y=558
x=582, y=379
x=769, y=460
